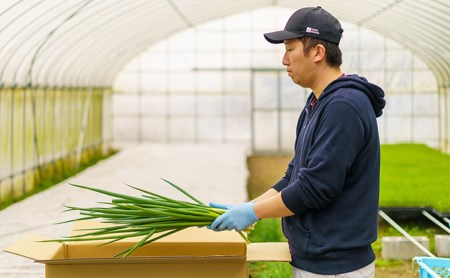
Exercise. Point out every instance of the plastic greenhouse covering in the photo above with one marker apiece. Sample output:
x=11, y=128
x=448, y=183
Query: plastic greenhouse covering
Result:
x=79, y=78
x=83, y=74
x=86, y=42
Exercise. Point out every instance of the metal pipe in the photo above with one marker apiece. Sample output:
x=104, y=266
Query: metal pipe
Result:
x=447, y=220
x=82, y=131
x=403, y=232
x=435, y=221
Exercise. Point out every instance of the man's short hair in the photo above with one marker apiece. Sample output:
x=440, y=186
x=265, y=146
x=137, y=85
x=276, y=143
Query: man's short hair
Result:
x=333, y=54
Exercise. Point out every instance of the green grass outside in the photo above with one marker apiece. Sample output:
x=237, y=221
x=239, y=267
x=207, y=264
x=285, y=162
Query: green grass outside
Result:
x=268, y=230
x=414, y=175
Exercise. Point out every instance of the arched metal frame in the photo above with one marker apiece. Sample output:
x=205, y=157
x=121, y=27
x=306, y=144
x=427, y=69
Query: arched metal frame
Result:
x=83, y=50
x=44, y=46
x=16, y=42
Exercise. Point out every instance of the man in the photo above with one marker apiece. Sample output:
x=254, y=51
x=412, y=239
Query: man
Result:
x=328, y=198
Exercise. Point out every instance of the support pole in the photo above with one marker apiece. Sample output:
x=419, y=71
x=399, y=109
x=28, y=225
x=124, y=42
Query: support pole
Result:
x=447, y=220
x=403, y=232
x=82, y=133
x=435, y=221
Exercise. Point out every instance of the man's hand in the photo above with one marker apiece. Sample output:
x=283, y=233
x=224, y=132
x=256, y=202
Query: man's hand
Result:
x=238, y=218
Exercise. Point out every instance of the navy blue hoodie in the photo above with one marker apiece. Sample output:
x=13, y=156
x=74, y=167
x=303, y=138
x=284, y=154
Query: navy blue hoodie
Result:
x=332, y=183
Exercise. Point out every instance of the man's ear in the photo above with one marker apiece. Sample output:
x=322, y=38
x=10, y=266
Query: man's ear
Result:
x=319, y=53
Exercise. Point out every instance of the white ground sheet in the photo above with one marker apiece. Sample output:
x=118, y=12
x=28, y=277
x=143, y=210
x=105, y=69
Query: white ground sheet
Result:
x=211, y=172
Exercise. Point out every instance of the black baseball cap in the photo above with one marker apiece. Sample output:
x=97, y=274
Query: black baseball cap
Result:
x=309, y=22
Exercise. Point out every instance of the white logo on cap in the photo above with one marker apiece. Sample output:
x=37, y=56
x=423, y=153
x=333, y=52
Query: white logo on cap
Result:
x=312, y=30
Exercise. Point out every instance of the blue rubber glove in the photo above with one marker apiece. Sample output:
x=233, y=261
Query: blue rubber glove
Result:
x=238, y=218
x=220, y=206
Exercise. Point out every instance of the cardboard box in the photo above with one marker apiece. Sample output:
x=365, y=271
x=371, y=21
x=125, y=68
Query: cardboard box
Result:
x=194, y=252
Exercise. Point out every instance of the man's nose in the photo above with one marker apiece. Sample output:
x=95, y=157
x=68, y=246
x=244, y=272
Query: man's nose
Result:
x=285, y=60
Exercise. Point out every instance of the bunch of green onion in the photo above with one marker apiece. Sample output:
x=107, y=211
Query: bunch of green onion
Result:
x=150, y=216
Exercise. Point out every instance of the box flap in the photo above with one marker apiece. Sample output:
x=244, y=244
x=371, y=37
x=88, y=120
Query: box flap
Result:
x=31, y=247
x=268, y=251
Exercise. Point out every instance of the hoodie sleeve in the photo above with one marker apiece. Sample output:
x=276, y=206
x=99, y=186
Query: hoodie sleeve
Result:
x=337, y=141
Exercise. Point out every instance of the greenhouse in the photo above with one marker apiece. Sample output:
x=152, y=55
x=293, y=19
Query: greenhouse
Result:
x=191, y=91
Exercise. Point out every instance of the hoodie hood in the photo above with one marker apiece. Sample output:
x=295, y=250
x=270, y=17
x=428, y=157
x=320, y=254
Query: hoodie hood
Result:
x=375, y=93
